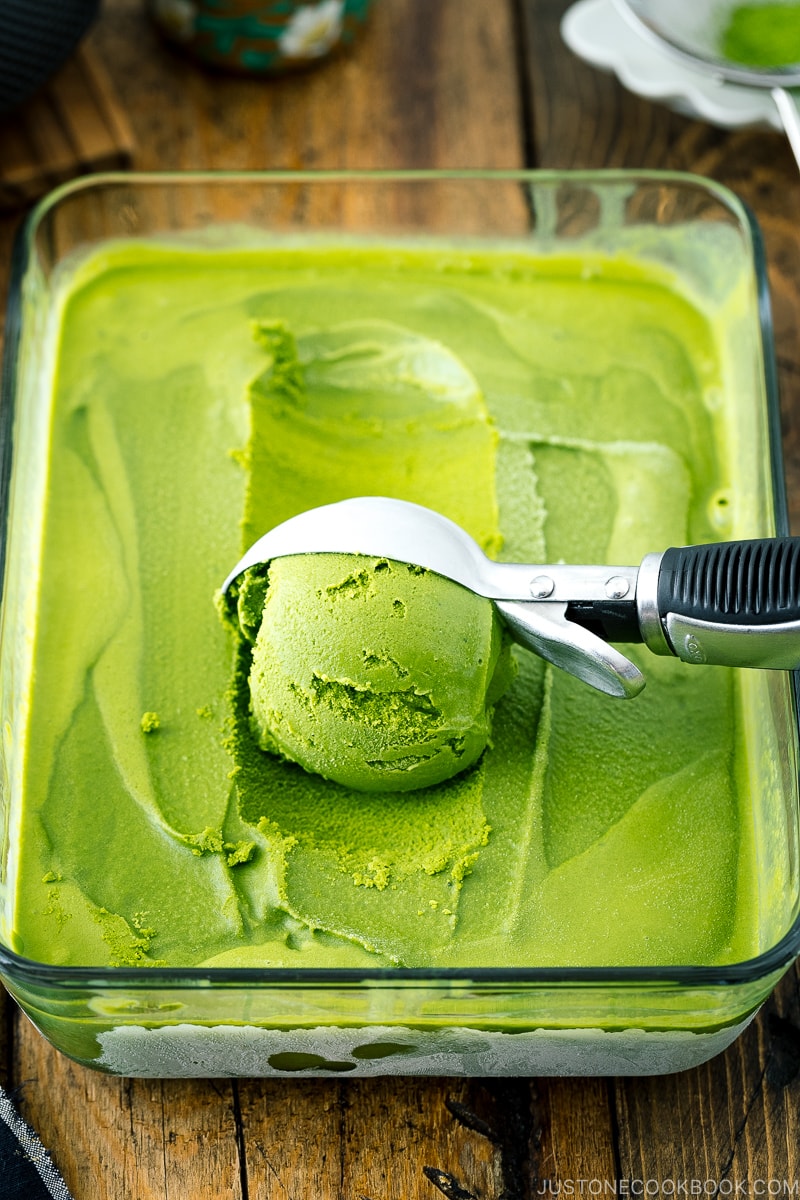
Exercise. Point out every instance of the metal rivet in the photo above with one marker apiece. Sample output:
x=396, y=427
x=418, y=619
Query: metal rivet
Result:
x=542, y=587
x=617, y=587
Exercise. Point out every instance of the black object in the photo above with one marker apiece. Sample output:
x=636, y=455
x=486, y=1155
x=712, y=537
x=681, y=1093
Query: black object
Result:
x=741, y=583
x=612, y=620
x=36, y=37
x=27, y=1171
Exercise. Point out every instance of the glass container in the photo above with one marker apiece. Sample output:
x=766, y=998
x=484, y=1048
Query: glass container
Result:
x=565, y=1013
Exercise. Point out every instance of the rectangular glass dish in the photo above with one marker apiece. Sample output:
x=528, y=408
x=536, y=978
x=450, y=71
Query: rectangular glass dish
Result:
x=575, y=367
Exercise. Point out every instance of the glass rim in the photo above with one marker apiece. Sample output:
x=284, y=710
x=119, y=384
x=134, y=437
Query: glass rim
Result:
x=16, y=968
x=542, y=175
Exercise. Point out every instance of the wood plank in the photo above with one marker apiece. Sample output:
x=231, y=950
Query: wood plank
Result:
x=73, y=124
x=582, y=118
x=728, y=1120
x=357, y=110
x=292, y=1130
x=108, y=105
x=370, y=1138
x=54, y=155
x=8, y=1015
x=88, y=132
x=120, y=1138
x=378, y=1137
x=429, y=1148
x=734, y=1119
x=16, y=155
x=577, y=1135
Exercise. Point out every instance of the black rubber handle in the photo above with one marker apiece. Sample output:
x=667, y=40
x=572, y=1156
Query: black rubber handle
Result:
x=733, y=583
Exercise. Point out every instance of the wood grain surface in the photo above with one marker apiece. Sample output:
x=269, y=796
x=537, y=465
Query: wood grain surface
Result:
x=459, y=83
x=73, y=124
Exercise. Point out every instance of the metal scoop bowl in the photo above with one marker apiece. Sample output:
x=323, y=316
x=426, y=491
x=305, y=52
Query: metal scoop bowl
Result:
x=732, y=603
x=692, y=31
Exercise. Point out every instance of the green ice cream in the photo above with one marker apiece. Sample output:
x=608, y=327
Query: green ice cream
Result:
x=763, y=35
x=379, y=675
x=202, y=396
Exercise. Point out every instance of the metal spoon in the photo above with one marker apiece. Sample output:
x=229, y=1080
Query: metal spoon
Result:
x=732, y=603
x=690, y=30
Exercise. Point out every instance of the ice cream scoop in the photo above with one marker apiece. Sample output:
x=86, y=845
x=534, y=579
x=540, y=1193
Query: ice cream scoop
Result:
x=729, y=603
x=695, y=34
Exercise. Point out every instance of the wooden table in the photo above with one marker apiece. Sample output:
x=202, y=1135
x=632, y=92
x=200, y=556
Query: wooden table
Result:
x=451, y=83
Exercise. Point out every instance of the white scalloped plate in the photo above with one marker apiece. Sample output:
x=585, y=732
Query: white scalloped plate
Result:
x=596, y=31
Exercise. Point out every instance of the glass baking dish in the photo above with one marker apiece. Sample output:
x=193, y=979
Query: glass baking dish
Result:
x=578, y=289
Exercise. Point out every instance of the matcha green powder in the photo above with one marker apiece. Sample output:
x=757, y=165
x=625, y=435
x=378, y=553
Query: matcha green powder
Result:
x=763, y=35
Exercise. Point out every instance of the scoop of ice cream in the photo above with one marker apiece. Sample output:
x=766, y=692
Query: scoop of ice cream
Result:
x=376, y=674
x=366, y=408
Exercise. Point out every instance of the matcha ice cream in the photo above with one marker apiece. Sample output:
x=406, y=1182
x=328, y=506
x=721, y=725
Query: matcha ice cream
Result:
x=762, y=35
x=379, y=675
x=201, y=396
x=373, y=674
